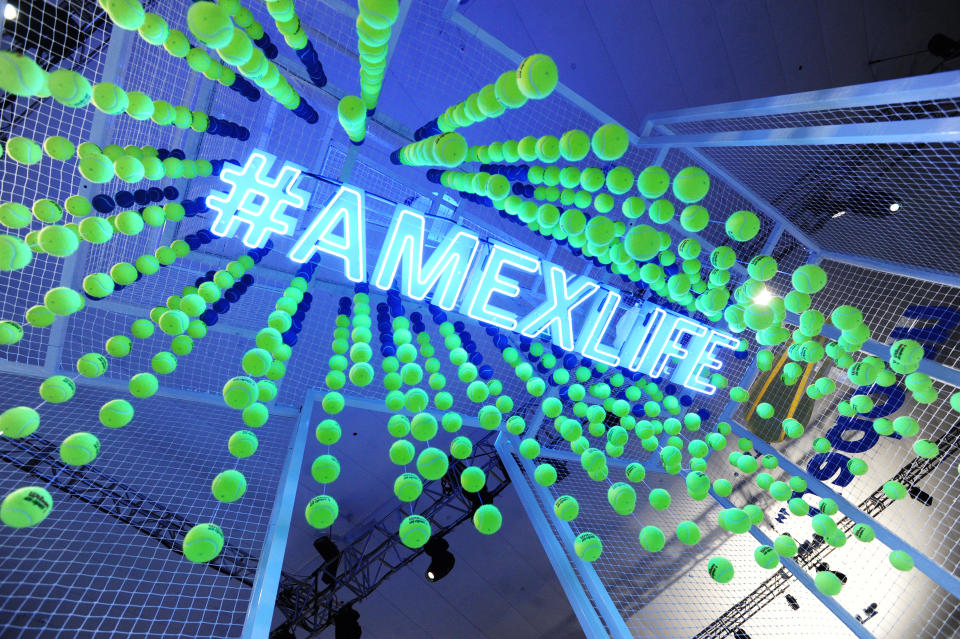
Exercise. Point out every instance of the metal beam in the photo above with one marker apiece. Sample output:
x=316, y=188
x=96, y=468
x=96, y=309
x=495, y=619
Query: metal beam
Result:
x=586, y=614
x=934, y=130
x=939, y=575
x=801, y=575
x=908, y=270
x=263, y=599
x=934, y=86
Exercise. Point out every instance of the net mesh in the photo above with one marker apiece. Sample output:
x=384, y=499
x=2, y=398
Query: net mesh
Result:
x=93, y=570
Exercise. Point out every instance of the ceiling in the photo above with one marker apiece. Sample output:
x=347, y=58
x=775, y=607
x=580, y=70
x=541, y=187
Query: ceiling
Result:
x=636, y=57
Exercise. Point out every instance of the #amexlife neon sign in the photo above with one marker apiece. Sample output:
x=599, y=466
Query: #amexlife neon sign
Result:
x=457, y=276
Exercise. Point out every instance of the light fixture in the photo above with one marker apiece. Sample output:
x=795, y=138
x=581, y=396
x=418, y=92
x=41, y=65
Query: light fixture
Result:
x=838, y=214
x=346, y=623
x=763, y=297
x=10, y=12
x=441, y=559
x=894, y=207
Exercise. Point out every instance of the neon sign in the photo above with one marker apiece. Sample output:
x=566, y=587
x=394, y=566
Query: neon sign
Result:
x=457, y=276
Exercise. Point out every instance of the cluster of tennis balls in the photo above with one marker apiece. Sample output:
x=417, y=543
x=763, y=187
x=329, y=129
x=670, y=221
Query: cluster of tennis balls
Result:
x=445, y=149
x=285, y=18
x=374, y=27
x=534, y=79
x=352, y=114
x=356, y=327
x=212, y=25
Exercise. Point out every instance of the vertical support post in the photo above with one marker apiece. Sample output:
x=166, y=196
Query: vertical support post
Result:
x=801, y=575
x=586, y=614
x=615, y=626
x=265, y=585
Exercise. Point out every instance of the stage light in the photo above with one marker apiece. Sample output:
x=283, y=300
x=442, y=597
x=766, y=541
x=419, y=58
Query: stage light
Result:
x=441, y=559
x=10, y=12
x=763, y=297
x=346, y=623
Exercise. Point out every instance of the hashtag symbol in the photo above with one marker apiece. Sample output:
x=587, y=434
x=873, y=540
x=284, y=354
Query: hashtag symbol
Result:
x=257, y=200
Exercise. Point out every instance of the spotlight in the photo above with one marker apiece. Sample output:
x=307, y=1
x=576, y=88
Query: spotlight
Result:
x=331, y=558
x=441, y=559
x=792, y=602
x=763, y=297
x=894, y=207
x=346, y=623
x=10, y=12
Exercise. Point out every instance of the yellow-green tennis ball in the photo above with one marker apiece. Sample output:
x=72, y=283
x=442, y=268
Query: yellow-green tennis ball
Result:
x=210, y=292
x=268, y=338
x=610, y=142
x=785, y=546
x=451, y=422
x=901, y=560
x=545, y=475
x=229, y=486
x=14, y=253
x=24, y=150
x=743, y=226
x=691, y=184
x=139, y=106
x=143, y=385
x=174, y=322
x=266, y=389
x=488, y=520
x=79, y=449
x=537, y=76
x=15, y=215
x=766, y=557
x=142, y=328
x=808, y=278
x=414, y=531
x=256, y=361
x=432, y=463
x=70, y=88
x=653, y=182
x=18, y=422
x=407, y=487
x=622, y=498
x=461, y=448
x=25, y=507
x=659, y=499
x=192, y=305
x=129, y=169
x=39, y=316
x=925, y=449
x=863, y=532
x=96, y=168
x=20, y=75
x=58, y=241
x=242, y=444
x=240, y=392
x=402, y=453
x=443, y=400
x=322, y=511
x=652, y=538
x=47, y=211
x=202, y=543
x=126, y=14
x=63, y=300
x=154, y=29
x=720, y=569
x=694, y=218
x=59, y=148
x=423, y=427
x=116, y=413
x=905, y=356
x=361, y=374
x=473, y=479
x=333, y=403
x=574, y=146
x=828, y=583
x=529, y=448
x=566, y=508
x=380, y=14
x=92, y=365
x=210, y=24
x=96, y=230
x=109, y=98
x=508, y=93
x=57, y=389
x=688, y=533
